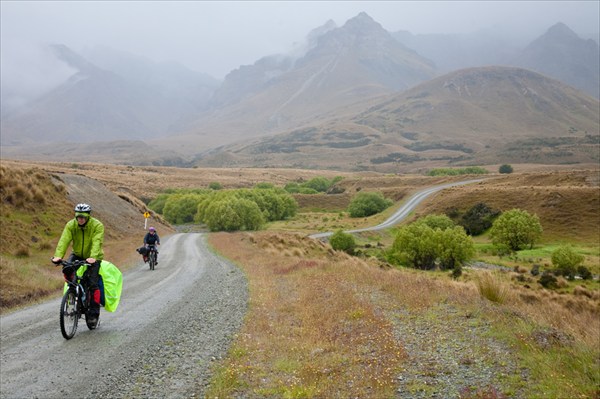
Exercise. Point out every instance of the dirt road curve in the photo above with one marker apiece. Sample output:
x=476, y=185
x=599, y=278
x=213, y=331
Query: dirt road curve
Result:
x=171, y=323
x=405, y=209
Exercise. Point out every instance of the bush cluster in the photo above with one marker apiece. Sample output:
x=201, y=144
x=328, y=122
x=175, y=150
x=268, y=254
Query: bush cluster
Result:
x=314, y=186
x=430, y=241
x=226, y=210
x=368, y=203
x=515, y=230
x=470, y=170
x=478, y=219
x=341, y=241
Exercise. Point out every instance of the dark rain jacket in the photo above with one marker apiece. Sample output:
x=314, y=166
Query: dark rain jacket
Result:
x=151, y=239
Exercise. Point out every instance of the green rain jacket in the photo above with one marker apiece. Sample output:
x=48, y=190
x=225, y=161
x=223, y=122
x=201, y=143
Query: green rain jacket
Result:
x=87, y=240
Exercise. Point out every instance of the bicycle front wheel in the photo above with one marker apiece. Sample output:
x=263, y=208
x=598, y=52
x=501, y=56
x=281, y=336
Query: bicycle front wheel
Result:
x=68, y=315
x=152, y=260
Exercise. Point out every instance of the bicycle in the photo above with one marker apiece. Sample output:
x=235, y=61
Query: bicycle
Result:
x=76, y=300
x=152, y=252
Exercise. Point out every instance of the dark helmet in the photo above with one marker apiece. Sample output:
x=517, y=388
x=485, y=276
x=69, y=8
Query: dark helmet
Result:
x=85, y=208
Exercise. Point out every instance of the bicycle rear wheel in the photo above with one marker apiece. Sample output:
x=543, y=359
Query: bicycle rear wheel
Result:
x=69, y=315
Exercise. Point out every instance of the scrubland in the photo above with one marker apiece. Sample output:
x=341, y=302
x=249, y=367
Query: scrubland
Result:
x=326, y=324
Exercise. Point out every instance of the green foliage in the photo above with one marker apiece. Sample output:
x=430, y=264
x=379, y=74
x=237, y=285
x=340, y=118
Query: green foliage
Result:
x=516, y=229
x=454, y=247
x=306, y=190
x=320, y=184
x=292, y=187
x=414, y=246
x=215, y=186
x=186, y=206
x=181, y=208
x=367, y=204
x=158, y=203
x=478, y=219
x=313, y=186
x=442, y=222
x=547, y=280
x=505, y=169
x=341, y=241
x=264, y=185
x=233, y=214
x=432, y=239
x=471, y=170
x=566, y=260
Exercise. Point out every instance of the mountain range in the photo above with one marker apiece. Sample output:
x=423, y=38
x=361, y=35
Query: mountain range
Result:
x=358, y=97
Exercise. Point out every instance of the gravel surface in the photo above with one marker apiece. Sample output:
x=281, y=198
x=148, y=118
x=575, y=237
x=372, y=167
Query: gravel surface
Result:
x=450, y=354
x=170, y=325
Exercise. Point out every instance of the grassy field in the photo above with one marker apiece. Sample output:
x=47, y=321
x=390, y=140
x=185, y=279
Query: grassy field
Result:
x=325, y=324
x=321, y=324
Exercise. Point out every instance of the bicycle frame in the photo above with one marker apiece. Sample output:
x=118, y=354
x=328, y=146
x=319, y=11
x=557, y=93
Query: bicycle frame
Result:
x=152, y=256
x=76, y=300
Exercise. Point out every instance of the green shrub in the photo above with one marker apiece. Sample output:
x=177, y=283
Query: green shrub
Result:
x=215, y=186
x=341, y=241
x=264, y=185
x=234, y=214
x=470, y=170
x=441, y=222
x=547, y=280
x=454, y=247
x=505, y=169
x=367, y=203
x=431, y=239
x=516, y=229
x=566, y=260
x=158, y=203
x=478, y=219
x=319, y=184
x=315, y=185
x=181, y=208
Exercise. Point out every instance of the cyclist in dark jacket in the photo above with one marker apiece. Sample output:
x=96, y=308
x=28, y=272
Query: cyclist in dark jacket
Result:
x=87, y=235
x=152, y=238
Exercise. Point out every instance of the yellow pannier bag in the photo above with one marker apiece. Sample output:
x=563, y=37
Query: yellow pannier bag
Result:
x=110, y=284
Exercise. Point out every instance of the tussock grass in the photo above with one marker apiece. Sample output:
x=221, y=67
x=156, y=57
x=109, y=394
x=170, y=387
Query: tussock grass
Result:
x=23, y=282
x=492, y=288
x=310, y=331
x=320, y=324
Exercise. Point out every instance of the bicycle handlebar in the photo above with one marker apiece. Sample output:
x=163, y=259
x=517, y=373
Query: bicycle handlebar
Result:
x=65, y=263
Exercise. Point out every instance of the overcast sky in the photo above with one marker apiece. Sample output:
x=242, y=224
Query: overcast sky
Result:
x=216, y=37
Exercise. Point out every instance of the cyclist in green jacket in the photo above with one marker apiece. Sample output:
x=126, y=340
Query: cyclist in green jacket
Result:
x=87, y=235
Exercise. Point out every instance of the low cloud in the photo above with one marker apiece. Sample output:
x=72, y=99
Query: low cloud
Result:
x=28, y=72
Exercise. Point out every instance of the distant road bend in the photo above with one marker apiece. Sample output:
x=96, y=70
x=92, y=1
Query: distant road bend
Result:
x=405, y=209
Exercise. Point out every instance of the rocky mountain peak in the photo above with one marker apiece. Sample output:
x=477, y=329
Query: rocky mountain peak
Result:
x=363, y=24
x=560, y=31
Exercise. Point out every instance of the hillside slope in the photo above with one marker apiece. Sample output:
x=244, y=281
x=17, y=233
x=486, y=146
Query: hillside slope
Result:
x=482, y=115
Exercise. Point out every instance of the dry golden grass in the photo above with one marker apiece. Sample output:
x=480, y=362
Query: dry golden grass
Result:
x=320, y=322
x=33, y=211
x=310, y=331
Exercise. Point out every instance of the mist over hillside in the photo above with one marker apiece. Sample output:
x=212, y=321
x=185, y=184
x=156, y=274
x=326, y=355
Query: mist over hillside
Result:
x=166, y=114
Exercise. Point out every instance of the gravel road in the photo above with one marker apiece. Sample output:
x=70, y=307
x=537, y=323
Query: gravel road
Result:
x=170, y=325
